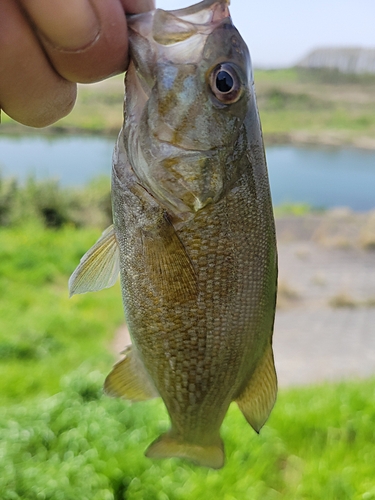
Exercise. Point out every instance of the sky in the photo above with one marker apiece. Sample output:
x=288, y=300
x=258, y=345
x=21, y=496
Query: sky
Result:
x=281, y=32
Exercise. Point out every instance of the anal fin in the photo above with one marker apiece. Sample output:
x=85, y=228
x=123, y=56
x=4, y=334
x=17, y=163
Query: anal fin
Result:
x=258, y=398
x=129, y=379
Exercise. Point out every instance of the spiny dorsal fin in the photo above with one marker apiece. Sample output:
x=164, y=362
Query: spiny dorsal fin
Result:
x=259, y=396
x=99, y=267
x=129, y=379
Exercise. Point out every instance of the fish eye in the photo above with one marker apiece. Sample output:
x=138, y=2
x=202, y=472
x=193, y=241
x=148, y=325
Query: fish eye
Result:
x=225, y=83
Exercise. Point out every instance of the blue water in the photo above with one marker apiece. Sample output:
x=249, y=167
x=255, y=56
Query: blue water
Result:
x=72, y=160
x=321, y=177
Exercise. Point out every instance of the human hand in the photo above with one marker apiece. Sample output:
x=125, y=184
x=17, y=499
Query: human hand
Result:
x=47, y=46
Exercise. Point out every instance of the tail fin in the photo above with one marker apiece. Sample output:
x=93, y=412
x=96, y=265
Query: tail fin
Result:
x=167, y=446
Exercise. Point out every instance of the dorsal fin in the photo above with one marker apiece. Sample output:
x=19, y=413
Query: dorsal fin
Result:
x=99, y=267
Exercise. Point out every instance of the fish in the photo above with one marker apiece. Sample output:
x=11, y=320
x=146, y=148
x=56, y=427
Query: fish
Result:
x=193, y=234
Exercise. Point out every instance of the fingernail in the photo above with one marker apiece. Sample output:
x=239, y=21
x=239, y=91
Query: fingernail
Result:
x=67, y=24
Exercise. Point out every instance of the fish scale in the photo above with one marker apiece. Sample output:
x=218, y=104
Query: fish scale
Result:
x=193, y=234
x=212, y=304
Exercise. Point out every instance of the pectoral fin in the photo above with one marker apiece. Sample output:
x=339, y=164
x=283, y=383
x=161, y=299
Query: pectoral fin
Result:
x=259, y=396
x=99, y=267
x=129, y=379
x=170, y=268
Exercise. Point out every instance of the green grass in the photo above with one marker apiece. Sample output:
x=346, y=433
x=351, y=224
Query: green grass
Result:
x=60, y=438
x=47, y=203
x=315, y=76
x=43, y=333
x=319, y=443
x=317, y=104
x=295, y=209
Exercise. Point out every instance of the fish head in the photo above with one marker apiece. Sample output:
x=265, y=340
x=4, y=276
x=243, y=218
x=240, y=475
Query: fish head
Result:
x=188, y=92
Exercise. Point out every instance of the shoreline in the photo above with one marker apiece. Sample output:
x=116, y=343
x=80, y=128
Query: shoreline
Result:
x=332, y=138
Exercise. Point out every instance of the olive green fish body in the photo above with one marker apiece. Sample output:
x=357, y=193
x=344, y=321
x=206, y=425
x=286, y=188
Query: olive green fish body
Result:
x=193, y=233
x=201, y=343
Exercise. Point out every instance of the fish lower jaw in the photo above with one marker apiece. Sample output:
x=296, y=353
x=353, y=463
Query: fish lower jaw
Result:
x=198, y=204
x=184, y=212
x=184, y=204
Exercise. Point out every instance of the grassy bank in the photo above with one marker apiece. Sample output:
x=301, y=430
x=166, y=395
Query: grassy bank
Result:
x=44, y=231
x=43, y=334
x=312, y=106
x=61, y=439
x=50, y=205
x=79, y=444
x=298, y=106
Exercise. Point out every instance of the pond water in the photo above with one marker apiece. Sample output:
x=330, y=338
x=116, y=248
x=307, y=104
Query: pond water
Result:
x=71, y=160
x=321, y=177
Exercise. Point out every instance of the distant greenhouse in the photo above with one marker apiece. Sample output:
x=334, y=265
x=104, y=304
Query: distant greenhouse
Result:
x=346, y=60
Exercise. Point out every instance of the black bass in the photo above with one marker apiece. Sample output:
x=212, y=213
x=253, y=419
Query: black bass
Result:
x=193, y=235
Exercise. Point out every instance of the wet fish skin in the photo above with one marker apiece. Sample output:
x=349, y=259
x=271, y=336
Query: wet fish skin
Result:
x=194, y=233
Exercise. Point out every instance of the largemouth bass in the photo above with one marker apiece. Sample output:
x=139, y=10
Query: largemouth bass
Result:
x=193, y=235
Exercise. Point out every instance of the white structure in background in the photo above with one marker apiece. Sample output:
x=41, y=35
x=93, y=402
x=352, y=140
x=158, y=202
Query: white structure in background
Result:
x=346, y=60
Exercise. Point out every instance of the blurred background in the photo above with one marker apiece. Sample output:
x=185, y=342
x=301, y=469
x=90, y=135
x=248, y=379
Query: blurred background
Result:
x=59, y=437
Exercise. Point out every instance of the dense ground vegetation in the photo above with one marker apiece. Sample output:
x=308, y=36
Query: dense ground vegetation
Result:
x=47, y=203
x=78, y=444
x=43, y=334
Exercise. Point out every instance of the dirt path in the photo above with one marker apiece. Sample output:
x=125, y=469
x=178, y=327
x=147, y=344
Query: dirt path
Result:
x=325, y=322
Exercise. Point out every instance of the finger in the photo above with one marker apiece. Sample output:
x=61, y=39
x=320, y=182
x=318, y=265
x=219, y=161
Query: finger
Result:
x=138, y=6
x=31, y=92
x=86, y=41
x=69, y=24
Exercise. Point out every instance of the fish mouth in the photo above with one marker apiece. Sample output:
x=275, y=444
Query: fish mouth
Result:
x=162, y=39
x=205, y=12
x=168, y=27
